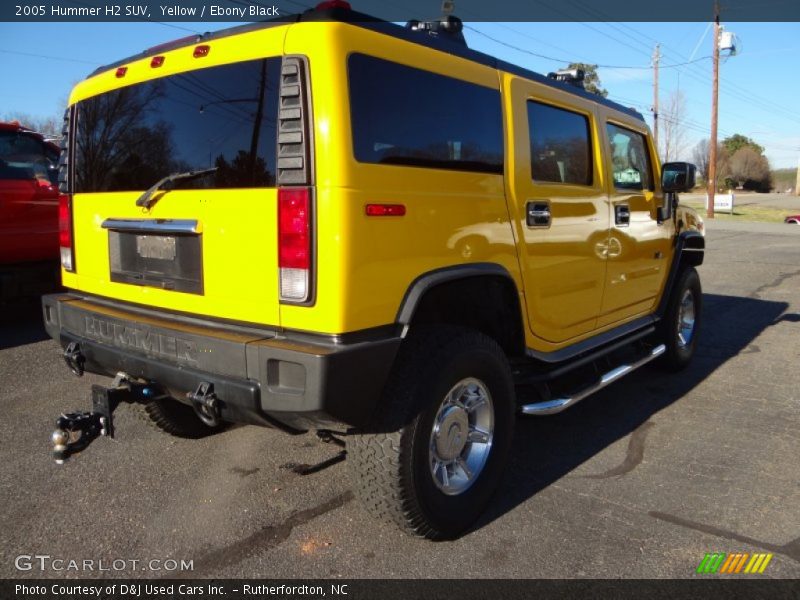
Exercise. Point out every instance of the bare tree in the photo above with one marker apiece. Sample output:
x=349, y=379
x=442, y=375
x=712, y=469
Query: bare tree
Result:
x=673, y=119
x=700, y=156
x=49, y=126
x=748, y=165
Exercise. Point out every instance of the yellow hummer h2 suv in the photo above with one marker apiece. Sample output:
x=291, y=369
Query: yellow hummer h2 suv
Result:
x=330, y=222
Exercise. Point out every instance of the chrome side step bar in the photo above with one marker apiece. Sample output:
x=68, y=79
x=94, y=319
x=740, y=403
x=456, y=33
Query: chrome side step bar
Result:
x=557, y=405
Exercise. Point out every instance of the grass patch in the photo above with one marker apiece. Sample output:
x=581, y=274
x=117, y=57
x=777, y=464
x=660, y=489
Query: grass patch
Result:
x=744, y=212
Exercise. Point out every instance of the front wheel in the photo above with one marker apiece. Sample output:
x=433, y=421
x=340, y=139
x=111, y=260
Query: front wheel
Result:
x=435, y=453
x=681, y=323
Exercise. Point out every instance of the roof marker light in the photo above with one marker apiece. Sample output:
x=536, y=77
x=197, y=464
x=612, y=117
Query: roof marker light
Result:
x=156, y=61
x=201, y=51
x=329, y=4
x=121, y=71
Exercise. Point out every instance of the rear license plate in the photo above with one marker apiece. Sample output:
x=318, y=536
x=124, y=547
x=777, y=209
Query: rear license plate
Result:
x=160, y=247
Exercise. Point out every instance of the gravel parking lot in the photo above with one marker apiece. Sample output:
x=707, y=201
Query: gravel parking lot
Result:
x=639, y=481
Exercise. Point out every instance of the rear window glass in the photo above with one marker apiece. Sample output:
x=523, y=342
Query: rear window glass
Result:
x=25, y=156
x=561, y=149
x=223, y=117
x=406, y=116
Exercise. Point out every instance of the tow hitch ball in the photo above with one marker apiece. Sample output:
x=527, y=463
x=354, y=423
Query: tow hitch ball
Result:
x=76, y=430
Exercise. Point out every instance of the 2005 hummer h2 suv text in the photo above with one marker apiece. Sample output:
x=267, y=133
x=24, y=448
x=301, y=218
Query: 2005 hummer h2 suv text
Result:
x=334, y=223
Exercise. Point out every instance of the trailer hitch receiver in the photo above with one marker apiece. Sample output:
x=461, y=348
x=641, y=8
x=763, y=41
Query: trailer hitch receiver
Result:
x=76, y=430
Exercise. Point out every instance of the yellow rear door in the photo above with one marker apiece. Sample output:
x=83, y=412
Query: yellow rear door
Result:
x=206, y=245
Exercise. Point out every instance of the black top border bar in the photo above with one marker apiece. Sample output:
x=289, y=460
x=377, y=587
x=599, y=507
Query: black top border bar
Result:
x=403, y=10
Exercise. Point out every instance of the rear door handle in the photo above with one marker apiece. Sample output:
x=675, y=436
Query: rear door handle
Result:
x=537, y=213
x=622, y=215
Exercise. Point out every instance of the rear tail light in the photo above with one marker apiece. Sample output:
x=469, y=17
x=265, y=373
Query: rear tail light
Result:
x=65, y=240
x=294, y=243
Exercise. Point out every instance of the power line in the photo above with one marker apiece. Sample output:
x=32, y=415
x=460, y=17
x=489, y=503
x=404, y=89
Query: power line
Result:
x=48, y=57
x=568, y=61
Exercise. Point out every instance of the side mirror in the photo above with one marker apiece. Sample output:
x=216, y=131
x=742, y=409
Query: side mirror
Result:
x=677, y=177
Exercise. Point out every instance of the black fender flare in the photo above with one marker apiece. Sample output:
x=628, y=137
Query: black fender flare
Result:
x=690, y=248
x=417, y=289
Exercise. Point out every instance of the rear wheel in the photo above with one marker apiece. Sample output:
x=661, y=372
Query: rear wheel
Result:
x=435, y=454
x=680, y=325
x=175, y=418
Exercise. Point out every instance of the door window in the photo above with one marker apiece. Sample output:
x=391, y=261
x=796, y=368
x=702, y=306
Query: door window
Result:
x=630, y=160
x=561, y=150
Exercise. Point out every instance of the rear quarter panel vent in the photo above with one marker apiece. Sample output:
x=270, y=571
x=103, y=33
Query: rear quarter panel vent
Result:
x=294, y=138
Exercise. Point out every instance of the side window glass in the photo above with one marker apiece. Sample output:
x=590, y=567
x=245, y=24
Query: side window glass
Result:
x=410, y=117
x=561, y=150
x=630, y=159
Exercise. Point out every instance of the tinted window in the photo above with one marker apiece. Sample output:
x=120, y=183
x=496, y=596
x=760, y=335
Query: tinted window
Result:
x=25, y=156
x=630, y=159
x=406, y=116
x=561, y=150
x=223, y=117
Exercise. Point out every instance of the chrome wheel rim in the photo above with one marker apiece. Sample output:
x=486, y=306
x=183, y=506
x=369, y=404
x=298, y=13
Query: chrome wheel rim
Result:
x=686, y=319
x=461, y=437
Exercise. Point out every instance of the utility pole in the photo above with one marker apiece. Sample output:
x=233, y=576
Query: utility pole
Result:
x=712, y=150
x=656, y=59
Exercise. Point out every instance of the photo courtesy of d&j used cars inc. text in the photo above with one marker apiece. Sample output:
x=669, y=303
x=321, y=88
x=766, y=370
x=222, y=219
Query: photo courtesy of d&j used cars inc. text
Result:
x=399, y=299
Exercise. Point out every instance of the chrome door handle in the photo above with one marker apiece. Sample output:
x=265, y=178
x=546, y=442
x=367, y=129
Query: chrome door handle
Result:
x=622, y=215
x=537, y=213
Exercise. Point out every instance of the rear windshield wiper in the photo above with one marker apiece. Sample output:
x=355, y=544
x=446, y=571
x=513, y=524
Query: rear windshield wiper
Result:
x=147, y=199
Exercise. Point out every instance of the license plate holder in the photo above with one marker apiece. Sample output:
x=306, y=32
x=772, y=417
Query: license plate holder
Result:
x=158, y=247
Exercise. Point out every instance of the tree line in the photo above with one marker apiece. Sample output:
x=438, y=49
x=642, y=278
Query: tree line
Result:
x=740, y=163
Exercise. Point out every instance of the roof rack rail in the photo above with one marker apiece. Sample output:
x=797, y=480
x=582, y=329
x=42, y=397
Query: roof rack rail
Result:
x=574, y=77
x=448, y=27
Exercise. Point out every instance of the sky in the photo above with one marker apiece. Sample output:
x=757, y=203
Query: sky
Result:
x=759, y=89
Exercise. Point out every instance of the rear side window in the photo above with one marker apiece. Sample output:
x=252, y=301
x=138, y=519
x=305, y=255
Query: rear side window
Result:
x=406, y=116
x=561, y=149
x=630, y=159
x=223, y=117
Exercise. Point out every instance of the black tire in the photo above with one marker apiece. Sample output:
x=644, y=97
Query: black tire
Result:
x=175, y=418
x=391, y=462
x=672, y=331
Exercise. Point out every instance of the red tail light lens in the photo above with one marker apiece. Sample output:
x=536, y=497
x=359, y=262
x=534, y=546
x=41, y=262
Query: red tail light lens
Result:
x=156, y=61
x=201, y=51
x=294, y=242
x=65, y=231
x=293, y=225
x=121, y=71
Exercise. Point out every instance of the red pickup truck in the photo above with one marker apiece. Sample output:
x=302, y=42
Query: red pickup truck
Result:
x=28, y=211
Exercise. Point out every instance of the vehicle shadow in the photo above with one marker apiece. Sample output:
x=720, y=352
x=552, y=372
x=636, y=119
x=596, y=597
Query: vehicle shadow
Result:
x=546, y=449
x=21, y=323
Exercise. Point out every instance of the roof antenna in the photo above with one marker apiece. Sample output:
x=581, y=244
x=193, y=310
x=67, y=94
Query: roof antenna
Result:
x=447, y=27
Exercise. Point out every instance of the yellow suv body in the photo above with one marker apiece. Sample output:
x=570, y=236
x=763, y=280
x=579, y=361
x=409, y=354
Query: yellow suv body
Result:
x=285, y=212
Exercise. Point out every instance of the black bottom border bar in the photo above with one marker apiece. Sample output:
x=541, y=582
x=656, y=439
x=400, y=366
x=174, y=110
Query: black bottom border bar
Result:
x=405, y=589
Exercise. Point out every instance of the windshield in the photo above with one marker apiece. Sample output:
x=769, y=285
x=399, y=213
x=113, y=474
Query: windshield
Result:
x=24, y=156
x=223, y=117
